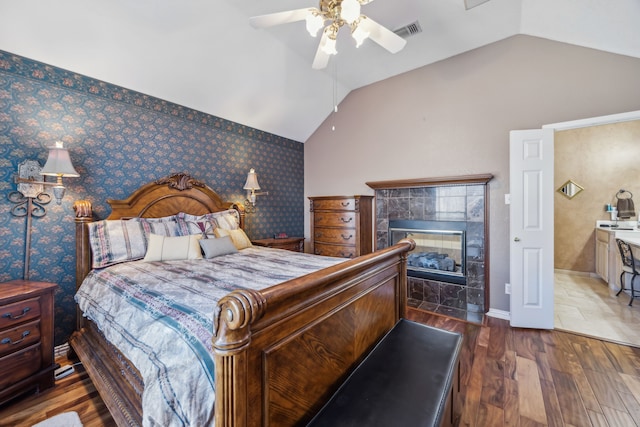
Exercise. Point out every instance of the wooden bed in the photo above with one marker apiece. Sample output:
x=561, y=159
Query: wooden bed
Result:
x=279, y=353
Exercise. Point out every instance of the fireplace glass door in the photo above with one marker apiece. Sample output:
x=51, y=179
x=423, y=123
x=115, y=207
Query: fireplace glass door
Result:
x=438, y=252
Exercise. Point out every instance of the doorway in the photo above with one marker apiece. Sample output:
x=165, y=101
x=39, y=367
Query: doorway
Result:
x=591, y=153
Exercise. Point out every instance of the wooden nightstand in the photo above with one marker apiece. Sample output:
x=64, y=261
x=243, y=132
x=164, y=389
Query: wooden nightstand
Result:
x=26, y=337
x=295, y=244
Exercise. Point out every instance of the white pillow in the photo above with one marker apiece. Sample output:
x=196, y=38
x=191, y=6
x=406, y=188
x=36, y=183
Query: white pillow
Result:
x=163, y=248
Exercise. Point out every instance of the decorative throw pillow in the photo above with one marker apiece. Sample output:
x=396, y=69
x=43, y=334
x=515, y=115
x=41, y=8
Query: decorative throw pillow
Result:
x=216, y=247
x=238, y=237
x=165, y=248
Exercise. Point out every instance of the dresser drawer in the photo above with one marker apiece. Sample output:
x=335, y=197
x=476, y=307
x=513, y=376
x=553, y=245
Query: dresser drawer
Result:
x=335, y=219
x=335, y=204
x=19, y=365
x=18, y=312
x=335, y=250
x=344, y=236
x=14, y=339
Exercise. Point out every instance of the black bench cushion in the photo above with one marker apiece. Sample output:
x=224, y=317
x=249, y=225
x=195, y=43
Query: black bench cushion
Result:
x=404, y=381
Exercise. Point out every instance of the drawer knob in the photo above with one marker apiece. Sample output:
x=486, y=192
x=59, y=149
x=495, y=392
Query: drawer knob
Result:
x=8, y=340
x=346, y=220
x=347, y=255
x=347, y=237
x=12, y=317
x=345, y=204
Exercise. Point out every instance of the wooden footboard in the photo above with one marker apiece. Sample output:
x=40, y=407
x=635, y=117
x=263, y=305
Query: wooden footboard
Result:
x=281, y=353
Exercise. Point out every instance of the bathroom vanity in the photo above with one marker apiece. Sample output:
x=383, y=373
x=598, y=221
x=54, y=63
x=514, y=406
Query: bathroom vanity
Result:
x=608, y=262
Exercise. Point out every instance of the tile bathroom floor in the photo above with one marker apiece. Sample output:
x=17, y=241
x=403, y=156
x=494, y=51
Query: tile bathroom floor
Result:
x=586, y=306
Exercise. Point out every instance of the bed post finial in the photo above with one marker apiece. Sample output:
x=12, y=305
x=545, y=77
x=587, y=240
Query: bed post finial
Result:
x=83, y=209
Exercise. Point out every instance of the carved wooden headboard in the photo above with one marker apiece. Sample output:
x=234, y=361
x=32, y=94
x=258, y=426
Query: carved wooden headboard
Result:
x=166, y=196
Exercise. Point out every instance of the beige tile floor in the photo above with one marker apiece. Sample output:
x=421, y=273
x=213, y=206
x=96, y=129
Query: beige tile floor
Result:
x=585, y=305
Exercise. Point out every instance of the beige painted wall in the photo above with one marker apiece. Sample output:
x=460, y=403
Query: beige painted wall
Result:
x=454, y=118
x=602, y=159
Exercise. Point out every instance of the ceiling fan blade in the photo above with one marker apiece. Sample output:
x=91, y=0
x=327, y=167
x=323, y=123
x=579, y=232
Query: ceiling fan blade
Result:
x=278, y=18
x=382, y=35
x=322, y=58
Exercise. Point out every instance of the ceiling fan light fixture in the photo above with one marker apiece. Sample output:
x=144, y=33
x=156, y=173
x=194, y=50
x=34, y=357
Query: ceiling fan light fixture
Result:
x=350, y=10
x=328, y=43
x=330, y=47
x=359, y=34
x=315, y=22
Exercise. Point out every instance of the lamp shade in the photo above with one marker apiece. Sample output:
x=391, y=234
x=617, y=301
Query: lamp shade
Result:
x=59, y=162
x=252, y=181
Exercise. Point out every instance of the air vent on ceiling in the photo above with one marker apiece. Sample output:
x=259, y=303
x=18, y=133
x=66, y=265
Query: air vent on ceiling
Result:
x=409, y=30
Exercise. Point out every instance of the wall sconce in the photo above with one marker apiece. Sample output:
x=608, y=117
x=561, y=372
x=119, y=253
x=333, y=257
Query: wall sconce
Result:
x=58, y=165
x=30, y=197
x=251, y=186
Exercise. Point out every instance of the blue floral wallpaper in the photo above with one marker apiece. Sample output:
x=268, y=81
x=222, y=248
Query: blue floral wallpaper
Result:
x=118, y=140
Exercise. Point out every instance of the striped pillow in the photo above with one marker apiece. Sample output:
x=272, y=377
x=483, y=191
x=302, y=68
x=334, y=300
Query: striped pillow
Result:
x=116, y=241
x=204, y=224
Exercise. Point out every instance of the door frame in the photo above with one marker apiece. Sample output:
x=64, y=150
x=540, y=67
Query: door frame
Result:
x=593, y=121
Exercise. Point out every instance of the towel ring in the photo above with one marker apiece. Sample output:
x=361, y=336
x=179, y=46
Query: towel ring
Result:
x=622, y=191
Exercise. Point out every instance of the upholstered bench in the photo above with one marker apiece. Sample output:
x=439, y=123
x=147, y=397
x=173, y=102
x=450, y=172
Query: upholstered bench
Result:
x=410, y=378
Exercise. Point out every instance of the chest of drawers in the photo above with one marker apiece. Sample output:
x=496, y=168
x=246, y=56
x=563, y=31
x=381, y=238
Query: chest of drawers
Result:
x=341, y=226
x=26, y=337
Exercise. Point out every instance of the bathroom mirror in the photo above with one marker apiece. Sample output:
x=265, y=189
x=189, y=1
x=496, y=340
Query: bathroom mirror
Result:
x=570, y=189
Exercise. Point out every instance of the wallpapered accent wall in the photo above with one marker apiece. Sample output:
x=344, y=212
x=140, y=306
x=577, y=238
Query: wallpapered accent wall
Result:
x=118, y=140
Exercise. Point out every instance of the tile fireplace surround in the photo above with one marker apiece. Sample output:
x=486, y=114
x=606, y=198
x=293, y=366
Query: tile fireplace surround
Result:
x=463, y=198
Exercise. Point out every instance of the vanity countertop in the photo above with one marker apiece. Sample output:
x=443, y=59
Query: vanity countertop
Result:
x=618, y=226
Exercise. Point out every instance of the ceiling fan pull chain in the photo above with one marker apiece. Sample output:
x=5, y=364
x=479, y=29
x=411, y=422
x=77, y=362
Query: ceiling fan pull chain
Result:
x=335, y=91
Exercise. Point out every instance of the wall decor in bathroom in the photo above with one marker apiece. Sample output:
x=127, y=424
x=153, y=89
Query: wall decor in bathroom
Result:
x=570, y=189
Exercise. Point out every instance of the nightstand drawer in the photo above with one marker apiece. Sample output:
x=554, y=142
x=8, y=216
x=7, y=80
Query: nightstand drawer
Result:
x=19, y=365
x=18, y=312
x=19, y=337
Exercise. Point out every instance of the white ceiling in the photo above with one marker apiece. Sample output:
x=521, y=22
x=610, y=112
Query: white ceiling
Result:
x=203, y=54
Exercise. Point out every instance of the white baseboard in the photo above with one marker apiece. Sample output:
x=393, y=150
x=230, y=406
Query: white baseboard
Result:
x=575, y=273
x=500, y=314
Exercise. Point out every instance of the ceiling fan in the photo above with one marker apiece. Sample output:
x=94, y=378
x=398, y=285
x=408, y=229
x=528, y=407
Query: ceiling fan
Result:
x=333, y=15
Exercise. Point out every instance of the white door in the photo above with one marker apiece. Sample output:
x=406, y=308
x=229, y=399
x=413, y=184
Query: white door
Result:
x=531, y=228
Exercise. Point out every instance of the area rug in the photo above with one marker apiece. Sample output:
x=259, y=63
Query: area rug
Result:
x=65, y=419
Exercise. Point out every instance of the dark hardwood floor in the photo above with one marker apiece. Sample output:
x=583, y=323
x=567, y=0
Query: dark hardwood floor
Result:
x=510, y=376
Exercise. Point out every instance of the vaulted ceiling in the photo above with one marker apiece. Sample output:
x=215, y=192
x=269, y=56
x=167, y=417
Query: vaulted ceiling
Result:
x=203, y=54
